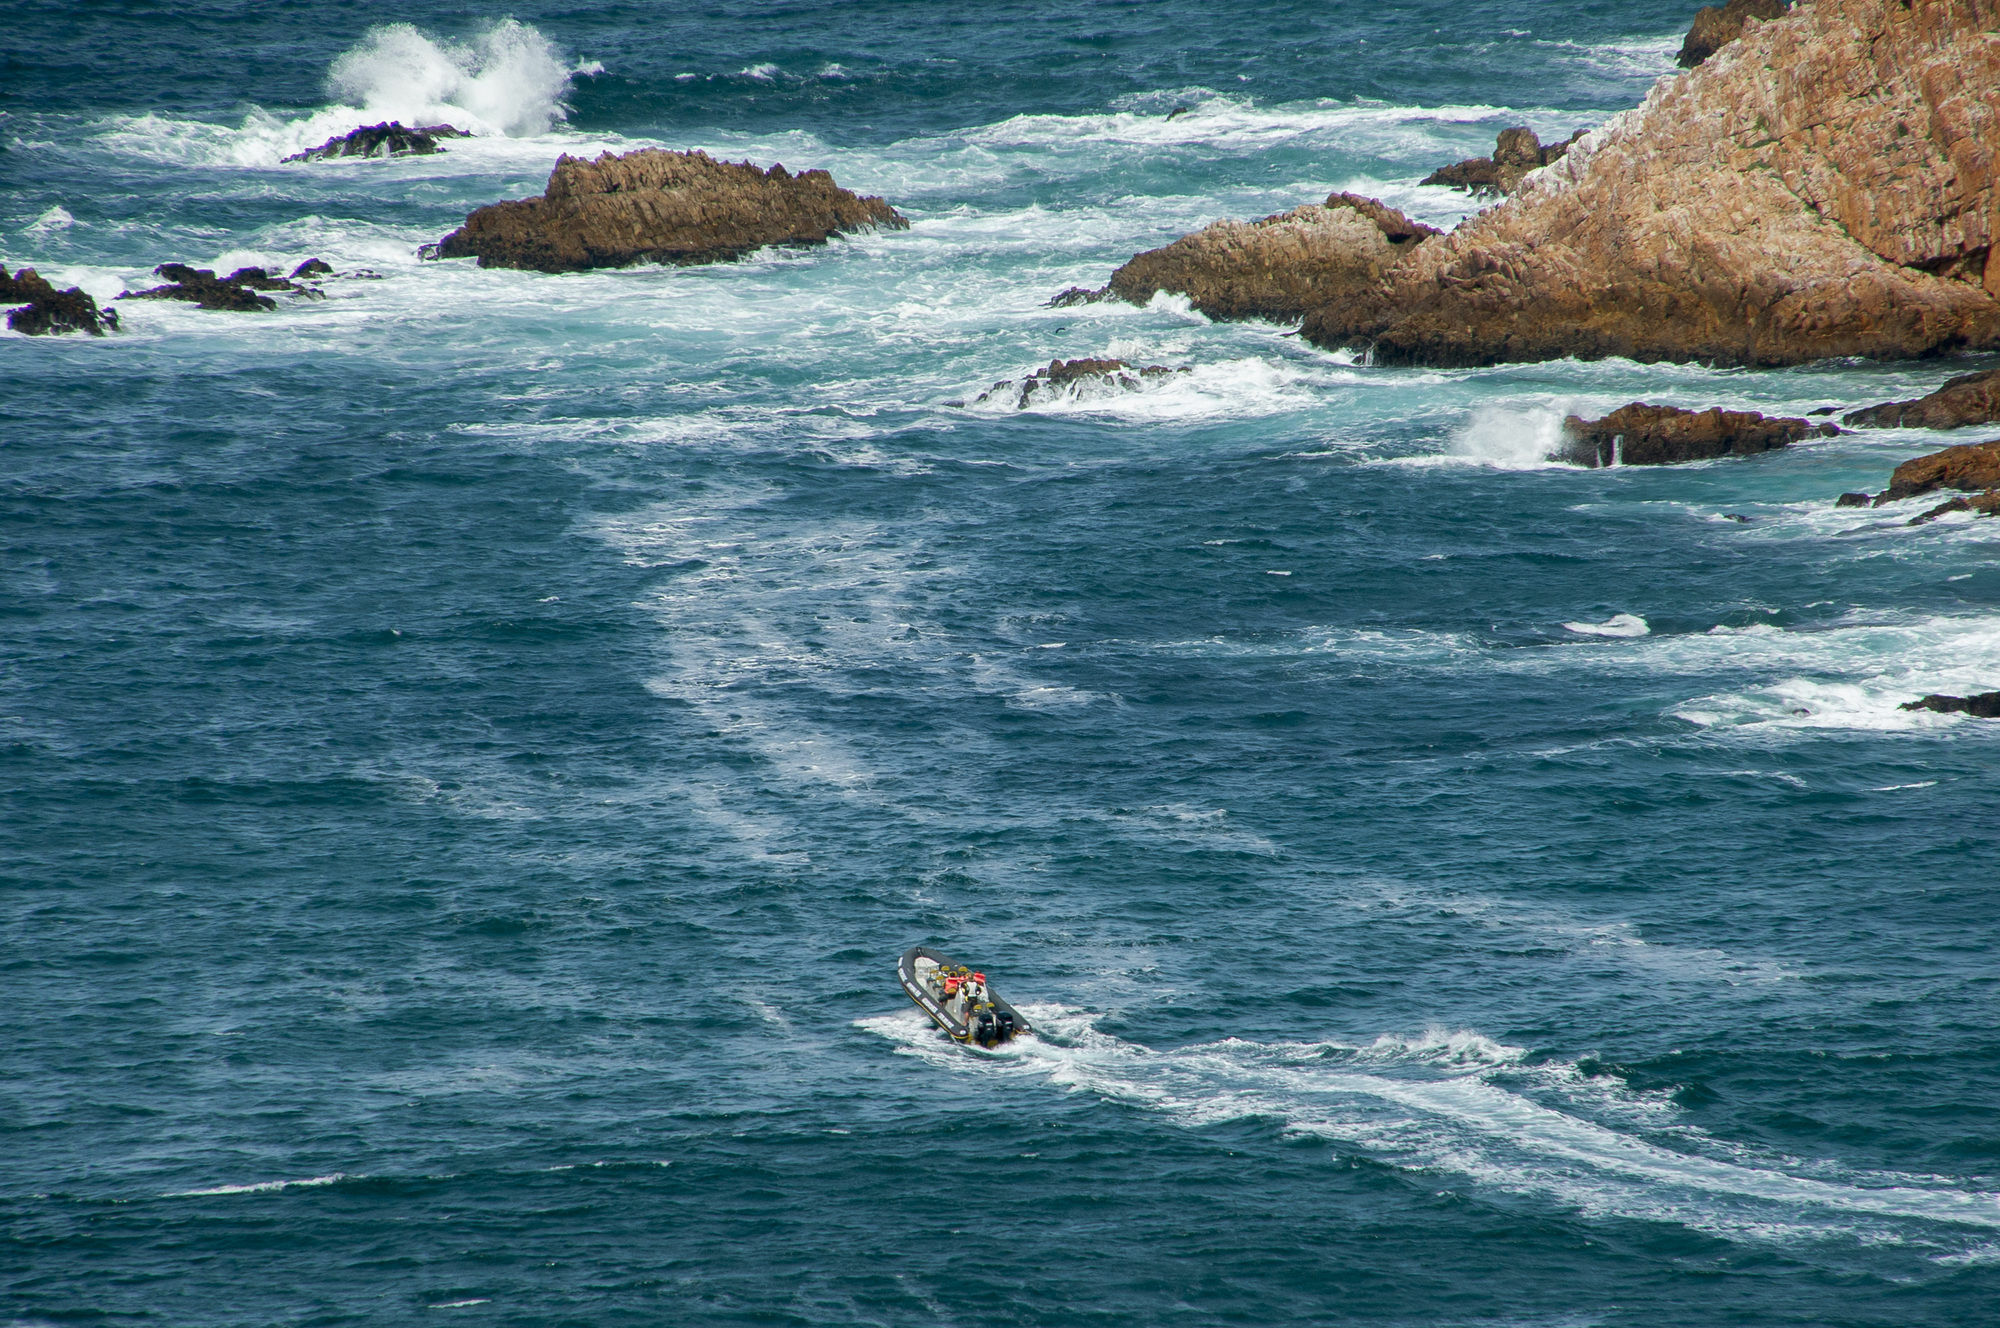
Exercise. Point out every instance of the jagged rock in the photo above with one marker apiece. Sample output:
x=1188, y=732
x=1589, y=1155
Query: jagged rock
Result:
x=1022, y=392
x=1968, y=399
x=654, y=206
x=312, y=267
x=1643, y=435
x=1516, y=153
x=237, y=292
x=46, y=311
x=1715, y=26
x=1279, y=267
x=1985, y=504
x=382, y=140
x=1822, y=187
x=1854, y=500
x=1076, y=295
x=1981, y=705
x=1969, y=467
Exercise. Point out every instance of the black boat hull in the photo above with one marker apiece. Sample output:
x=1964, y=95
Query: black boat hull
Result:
x=958, y=1028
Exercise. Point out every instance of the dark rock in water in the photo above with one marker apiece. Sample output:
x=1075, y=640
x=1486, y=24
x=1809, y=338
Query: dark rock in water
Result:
x=382, y=140
x=46, y=311
x=312, y=267
x=1972, y=398
x=237, y=292
x=1737, y=517
x=1985, y=504
x=1517, y=152
x=1968, y=467
x=1824, y=410
x=1061, y=374
x=1981, y=705
x=1281, y=266
x=1715, y=26
x=654, y=206
x=1076, y=295
x=1854, y=500
x=1643, y=435
x=1178, y=112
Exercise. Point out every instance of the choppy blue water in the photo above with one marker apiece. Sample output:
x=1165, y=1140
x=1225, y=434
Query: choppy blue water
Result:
x=473, y=748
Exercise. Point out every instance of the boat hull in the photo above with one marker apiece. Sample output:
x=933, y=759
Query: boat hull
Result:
x=961, y=1026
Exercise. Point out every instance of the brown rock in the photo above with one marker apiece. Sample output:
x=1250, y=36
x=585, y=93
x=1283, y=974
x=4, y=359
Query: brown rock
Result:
x=1970, y=467
x=1281, y=266
x=1968, y=399
x=1985, y=504
x=654, y=206
x=1854, y=500
x=1516, y=153
x=1715, y=26
x=1643, y=435
x=1981, y=705
x=382, y=140
x=1022, y=392
x=1822, y=187
x=46, y=311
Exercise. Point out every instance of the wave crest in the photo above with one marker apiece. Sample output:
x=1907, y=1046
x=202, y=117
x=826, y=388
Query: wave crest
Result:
x=508, y=80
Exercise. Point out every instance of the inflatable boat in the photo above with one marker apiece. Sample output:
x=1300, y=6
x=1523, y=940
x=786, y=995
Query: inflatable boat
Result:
x=958, y=999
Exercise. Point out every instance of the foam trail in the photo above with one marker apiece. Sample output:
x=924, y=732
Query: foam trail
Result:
x=1618, y=624
x=1435, y=1104
x=508, y=80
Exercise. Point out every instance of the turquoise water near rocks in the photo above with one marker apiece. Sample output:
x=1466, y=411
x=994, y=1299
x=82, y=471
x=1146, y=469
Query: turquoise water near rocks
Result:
x=473, y=747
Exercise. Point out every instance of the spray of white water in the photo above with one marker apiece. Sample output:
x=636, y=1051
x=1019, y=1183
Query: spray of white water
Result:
x=509, y=79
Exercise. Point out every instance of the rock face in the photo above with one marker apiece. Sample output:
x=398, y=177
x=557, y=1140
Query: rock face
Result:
x=1715, y=26
x=1517, y=152
x=1277, y=268
x=382, y=140
x=1061, y=374
x=1823, y=186
x=1969, y=467
x=1982, y=705
x=1643, y=435
x=47, y=310
x=1968, y=399
x=654, y=206
x=238, y=291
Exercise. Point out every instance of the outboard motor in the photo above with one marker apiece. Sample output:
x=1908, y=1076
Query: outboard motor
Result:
x=986, y=1027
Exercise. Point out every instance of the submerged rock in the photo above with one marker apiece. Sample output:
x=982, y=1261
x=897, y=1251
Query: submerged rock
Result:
x=1822, y=187
x=1985, y=504
x=1067, y=374
x=1516, y=153
x=1715, y=26
x=238, y=292
x=382, y=140
x=47, y=311
x=1279, y=267
x=1972, y=398
x=1981, y=705
x=1643, y=435
x=654, y=206
x=1076, y=295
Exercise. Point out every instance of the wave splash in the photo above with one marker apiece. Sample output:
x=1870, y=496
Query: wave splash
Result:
x=509, y=79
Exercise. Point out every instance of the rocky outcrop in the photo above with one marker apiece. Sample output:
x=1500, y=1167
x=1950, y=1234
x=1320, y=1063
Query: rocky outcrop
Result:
x=1517, y=152
x=1069, y=375
x=1985, y=504
x=46, y=310
x=1276, y=268
x=1968, y=467
x=237, y=292
x=1715, y=26
x=1968, y=399
x=1981, y=705
x=655, y=206
x=1643, y=435
x=1823, y=186
x=382, y=140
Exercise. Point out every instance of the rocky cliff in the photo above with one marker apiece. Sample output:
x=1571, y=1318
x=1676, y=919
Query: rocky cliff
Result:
x=661, y=207
x=1822, y=186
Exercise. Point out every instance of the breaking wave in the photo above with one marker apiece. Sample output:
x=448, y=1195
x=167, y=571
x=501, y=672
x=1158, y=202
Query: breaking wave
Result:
x=509, y=79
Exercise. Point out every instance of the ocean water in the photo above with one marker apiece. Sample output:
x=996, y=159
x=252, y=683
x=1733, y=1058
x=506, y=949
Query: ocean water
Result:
x=473, y=747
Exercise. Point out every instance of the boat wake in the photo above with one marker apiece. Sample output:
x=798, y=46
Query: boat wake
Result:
x=1459, y=1103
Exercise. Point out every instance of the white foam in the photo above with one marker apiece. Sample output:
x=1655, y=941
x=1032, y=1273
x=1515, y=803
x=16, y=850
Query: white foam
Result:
x=1461, y=1103
x=1508, y=438
x=1618, y=624
x=261, y=1187
x=509, y=79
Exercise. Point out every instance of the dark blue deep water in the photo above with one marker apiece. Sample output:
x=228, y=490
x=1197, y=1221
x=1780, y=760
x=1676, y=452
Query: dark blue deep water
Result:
x=472, y=748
